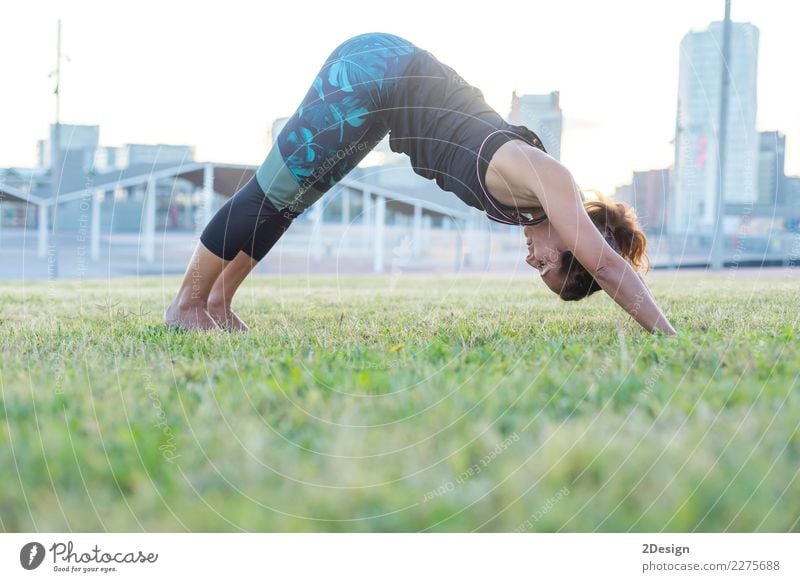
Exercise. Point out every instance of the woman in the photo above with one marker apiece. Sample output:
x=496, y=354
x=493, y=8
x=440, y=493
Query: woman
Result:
x=377, y=83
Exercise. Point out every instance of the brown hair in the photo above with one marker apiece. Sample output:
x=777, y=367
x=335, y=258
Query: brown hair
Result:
x=618, y=225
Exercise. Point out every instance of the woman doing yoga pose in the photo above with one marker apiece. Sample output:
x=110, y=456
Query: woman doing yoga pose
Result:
x=377, y=83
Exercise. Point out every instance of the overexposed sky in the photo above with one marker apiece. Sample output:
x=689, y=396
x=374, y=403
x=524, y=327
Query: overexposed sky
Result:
x=215, y=74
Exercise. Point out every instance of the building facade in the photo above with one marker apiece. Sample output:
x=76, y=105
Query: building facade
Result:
x=771, y=177
x=80, y=140
x=648, y=193
x=693, y=206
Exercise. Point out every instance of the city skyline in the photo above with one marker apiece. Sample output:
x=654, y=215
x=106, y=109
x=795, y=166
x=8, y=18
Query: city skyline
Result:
x=179, y=88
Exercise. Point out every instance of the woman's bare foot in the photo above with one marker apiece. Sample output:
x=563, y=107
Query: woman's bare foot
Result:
x=189, y=317
x=221, y=313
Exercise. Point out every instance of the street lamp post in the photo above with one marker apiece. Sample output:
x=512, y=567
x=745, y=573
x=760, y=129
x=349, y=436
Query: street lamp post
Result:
x=717, y=246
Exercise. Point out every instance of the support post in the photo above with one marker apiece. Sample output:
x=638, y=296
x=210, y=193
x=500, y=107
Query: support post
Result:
x=94, y=226
x=366, y=213
x=345, y=206
x=416, y=234
x=459, y=228
x=317, y=217
x=380, y=224
x=486, y=225
x=42, y=231
x=148, y=235
x=427, y=225
x=207, y=203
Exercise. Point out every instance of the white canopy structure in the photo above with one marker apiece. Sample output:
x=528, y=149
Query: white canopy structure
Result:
x=225, y=180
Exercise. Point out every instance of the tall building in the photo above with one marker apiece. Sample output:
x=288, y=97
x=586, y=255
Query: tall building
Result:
x=81, y=141
x=771, y=155
x=80, y=147
x=693, y=205
x=541, y=114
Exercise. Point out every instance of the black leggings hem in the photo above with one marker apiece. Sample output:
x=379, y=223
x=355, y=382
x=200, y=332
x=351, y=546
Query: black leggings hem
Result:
x=247, y=222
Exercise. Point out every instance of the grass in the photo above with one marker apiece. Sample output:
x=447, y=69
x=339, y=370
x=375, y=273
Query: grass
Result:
x=401, y=404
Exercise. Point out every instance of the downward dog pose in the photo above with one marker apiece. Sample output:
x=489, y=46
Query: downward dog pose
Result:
x=374, y=84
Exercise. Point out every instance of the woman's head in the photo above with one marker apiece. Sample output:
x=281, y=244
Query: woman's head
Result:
x=559, y=268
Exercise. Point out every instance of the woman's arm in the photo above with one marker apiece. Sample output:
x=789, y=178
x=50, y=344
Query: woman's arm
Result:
x=526, y=175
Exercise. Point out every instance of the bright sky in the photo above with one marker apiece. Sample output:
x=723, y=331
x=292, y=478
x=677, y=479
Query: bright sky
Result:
x=215, y=74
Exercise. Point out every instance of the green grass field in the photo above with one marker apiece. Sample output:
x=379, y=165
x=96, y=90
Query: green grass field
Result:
x=401, y=404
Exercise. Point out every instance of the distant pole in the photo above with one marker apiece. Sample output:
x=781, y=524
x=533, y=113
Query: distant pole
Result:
x=55, y=161
x=58, y=76
x=718, y=249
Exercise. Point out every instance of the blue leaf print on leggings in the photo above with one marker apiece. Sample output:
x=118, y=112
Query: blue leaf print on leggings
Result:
x=340, y=107
x=337, y=76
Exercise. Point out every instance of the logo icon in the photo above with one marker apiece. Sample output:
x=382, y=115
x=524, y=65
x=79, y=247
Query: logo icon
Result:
x=31, y=555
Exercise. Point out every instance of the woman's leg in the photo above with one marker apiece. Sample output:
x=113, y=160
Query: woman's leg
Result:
x=337, y=124
x=188, y=309
x=225, y=287
x=247, y=221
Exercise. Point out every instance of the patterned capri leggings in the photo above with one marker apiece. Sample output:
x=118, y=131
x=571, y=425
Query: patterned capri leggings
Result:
x=338, y=122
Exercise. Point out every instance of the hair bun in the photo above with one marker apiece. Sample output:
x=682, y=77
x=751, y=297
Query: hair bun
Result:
x=620, y=220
